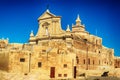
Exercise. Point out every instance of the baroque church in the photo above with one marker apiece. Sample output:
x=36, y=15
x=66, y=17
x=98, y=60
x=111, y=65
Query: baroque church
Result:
x=57, y=53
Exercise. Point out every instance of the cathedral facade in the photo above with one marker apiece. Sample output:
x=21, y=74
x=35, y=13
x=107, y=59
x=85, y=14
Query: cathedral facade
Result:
x=57, y=53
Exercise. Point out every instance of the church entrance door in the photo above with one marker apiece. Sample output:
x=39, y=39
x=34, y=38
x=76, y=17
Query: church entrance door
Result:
x=52, y=72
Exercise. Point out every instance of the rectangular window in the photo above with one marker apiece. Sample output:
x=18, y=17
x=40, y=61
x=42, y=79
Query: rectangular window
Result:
x=22, y=59
x=93, y=62
x=65, y=65
x=77, y=60
x=89, y=61
x=65, y=75
x=39, y=64
x=59, y=75
x=84, y=61
x=43, y=50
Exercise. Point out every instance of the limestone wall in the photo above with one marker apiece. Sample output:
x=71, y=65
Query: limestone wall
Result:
x=4, y=60
x=44, y=58
x=117, y=62
x=19, y=61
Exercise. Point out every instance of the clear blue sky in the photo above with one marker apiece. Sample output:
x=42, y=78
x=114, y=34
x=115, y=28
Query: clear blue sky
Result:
x=19, y=17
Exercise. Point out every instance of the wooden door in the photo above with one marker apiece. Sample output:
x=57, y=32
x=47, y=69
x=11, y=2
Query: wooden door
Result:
x=74, y=71
x=52, y=72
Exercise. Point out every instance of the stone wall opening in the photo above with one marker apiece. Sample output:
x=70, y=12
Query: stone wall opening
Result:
x=39, y=64
x=22, y=59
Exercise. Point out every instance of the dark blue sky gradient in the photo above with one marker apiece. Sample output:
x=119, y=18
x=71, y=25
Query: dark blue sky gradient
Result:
x=19, y=17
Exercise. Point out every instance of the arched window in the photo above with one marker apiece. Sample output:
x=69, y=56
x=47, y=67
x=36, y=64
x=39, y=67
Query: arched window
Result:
x=46, y=31
x=45, y=26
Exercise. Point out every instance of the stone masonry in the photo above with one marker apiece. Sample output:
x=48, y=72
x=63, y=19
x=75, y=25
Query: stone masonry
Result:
x=57, y=53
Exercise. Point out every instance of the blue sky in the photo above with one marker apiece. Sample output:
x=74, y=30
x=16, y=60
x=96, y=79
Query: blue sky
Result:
x=19, y=17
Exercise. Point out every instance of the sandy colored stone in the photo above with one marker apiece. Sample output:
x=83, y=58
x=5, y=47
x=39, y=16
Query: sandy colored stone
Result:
x=58, y=52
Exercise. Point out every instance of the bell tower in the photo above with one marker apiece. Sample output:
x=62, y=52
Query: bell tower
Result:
x=78, y=27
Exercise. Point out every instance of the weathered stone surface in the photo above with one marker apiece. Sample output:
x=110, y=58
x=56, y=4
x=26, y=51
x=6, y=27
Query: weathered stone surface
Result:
x=55, y=53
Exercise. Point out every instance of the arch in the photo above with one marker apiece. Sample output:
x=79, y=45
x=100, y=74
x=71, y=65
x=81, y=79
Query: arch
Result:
x=45, y=24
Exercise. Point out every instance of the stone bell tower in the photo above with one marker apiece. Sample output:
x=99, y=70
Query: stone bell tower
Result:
x=78, y=27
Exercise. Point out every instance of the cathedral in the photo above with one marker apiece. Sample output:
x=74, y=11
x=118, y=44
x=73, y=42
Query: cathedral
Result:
x=57, y=53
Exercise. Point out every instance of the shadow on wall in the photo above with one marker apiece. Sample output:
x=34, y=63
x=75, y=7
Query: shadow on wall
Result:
x=104, y=76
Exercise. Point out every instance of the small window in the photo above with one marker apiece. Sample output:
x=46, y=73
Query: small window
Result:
x=43, y=50
x=63, y=38
x=65, y=75
x=85, y=39
x=84, y=61
x=65, y=65
x=59, y=75
x=39, y=64
x=93, y=62
x=89, y=61
x=22, y=59
x=99, y=51
x=77, y=59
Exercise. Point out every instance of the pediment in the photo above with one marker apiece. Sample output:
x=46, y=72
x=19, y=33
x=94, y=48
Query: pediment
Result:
x=46, y=15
